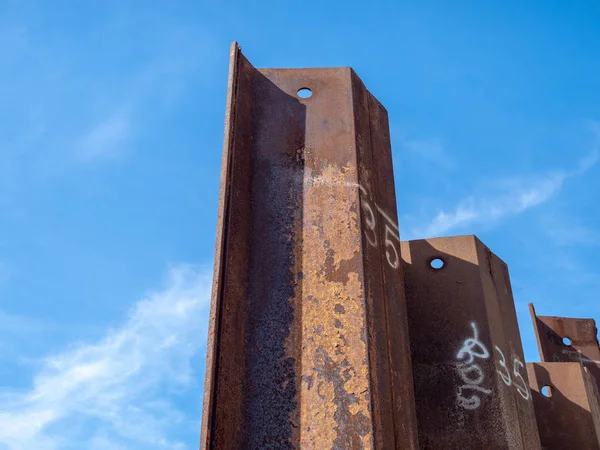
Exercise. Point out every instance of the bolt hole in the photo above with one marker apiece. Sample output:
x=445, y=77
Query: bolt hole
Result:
x=547, y=391
x=436, y=263
x=566, y=341
x=304, y=93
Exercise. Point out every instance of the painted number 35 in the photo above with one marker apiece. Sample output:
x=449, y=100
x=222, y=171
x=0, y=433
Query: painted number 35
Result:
x=391, y=236
x=519, y=381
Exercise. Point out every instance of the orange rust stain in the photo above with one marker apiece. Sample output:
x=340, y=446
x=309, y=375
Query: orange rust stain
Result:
x=334, y=394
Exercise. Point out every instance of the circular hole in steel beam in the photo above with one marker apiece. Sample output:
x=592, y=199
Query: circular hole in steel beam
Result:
x=304, y=93
x=566, y=341
x=547, y=391
x=436, y=263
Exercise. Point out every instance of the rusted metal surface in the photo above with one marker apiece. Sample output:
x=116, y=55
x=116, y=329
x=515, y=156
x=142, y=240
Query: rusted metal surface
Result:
x=564, y=339
x=568, y=408
x=471, y=385
x=307, y=296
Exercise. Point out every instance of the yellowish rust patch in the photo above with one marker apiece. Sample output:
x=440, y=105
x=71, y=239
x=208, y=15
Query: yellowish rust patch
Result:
x=334, y=392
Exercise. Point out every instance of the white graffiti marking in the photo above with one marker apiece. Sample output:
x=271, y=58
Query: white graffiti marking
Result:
x=506, y=375
x=522, y=387
x=391, y=235
x=470, y=373
x=472, y=402
x=520, y=384
x=464, y=374
x=469, y=346
x=370, y=222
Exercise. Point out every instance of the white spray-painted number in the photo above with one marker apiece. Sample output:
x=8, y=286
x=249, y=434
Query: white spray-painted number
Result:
x=504, y=375
x=519, y=381
x=469, y=371
x=391, y=235
x=522, y=387
x=370, y=222
x=391, y=247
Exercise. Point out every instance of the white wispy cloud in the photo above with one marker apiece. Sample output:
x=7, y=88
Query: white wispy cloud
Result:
x=115, y=393
x=588, y=162
x=566, y=230
x=431, y=150
x=12, y=325
x=106, y=139
x=511, y=196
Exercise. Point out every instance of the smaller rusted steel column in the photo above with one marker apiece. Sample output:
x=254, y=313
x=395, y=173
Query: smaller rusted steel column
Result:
x=565, y=339
x=567, y=405
x=471, y=386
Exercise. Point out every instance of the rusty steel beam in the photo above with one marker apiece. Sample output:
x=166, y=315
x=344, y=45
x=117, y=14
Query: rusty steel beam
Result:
x=567, y=405
x=471, y=385
x=307, y=299
x=565, y=339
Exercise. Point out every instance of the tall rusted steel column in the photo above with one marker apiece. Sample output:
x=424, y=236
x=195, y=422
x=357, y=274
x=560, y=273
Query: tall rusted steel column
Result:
x=564, y=339
x=567, y=405
x=471, y=385
x=307, y=297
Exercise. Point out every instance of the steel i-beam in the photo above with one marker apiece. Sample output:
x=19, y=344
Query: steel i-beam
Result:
x=308, y=292
x=564, y=339
x=471, y=384
x=567, y=405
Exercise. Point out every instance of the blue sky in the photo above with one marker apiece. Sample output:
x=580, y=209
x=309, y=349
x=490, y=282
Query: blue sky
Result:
x=111, y=129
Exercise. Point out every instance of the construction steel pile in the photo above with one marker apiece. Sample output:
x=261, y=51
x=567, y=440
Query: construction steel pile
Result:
x=329, y=332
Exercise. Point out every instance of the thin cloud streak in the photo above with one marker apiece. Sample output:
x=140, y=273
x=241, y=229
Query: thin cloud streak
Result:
x=567, y=234
x=432, y=150
x=107, y=139
x=518, y=196
x=115, y=393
